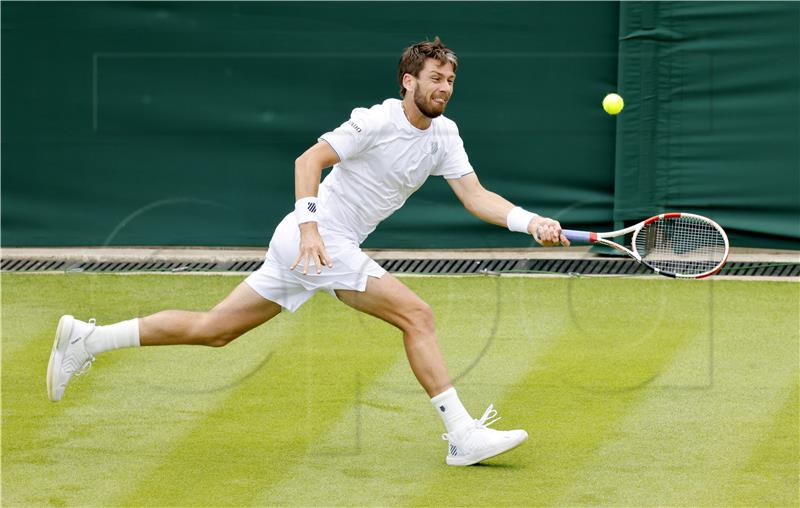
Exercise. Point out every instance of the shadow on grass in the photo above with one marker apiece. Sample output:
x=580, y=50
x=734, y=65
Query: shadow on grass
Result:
x=498, y=465
x=227, y=386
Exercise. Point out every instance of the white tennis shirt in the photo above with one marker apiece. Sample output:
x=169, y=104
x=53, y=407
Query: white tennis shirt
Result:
x=383, y=159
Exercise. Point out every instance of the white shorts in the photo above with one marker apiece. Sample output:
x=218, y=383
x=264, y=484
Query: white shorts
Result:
x=290, y=289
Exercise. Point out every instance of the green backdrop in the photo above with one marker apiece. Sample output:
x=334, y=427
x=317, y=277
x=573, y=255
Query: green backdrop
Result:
x=713, y=117
x=178, y=123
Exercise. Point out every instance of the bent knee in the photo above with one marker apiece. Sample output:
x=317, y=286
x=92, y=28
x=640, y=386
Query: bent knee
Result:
x=222, y=339
x=418, y=319
x=209, y=330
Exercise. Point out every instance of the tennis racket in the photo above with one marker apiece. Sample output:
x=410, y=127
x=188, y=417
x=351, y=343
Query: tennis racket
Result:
x=672, y=244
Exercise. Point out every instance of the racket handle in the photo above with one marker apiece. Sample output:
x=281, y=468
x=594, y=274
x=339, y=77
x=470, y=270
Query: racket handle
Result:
x=579, y=236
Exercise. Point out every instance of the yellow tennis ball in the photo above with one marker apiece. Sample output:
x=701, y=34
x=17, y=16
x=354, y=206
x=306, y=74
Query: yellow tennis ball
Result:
x=613, y=104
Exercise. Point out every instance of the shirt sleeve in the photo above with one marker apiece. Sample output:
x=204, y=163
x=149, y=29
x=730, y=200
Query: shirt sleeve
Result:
x=455, y=162
x=353, y=136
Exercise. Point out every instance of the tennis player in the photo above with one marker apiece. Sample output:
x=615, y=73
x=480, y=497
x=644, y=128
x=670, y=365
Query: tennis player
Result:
x=380, y=156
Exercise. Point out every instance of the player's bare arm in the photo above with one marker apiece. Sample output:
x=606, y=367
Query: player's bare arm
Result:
x=494, y=209
x=307, y=173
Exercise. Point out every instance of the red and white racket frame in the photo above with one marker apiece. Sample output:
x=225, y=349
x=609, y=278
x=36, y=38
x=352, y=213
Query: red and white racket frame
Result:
x=602, y=238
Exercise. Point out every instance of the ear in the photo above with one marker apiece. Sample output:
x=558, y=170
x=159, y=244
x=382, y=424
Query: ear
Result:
x=409, y=82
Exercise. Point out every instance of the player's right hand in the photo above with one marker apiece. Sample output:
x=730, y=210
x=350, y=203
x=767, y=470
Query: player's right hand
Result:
x=547, y=232
x=312, y=249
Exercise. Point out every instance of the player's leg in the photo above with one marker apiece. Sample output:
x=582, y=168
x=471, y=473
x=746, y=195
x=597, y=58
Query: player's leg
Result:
x=471, y=441
x=77, y=342
x=242, y=310
x=392, y=301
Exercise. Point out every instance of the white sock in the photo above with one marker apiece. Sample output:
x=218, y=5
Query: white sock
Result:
x=452, y=411
x=116, y=336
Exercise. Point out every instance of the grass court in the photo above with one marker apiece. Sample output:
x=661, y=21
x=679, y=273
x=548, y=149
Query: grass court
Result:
x=634, y=392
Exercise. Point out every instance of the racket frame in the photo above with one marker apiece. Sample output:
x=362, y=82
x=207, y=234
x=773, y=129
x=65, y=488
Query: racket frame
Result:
x=603, y=239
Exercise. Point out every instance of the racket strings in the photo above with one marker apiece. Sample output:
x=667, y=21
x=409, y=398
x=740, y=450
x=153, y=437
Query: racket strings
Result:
x=681, y=245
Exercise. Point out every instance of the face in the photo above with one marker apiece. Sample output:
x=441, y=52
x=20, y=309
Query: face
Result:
x=434, y=87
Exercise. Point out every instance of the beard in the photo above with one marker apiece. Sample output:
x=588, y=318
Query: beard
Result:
x=429, y=109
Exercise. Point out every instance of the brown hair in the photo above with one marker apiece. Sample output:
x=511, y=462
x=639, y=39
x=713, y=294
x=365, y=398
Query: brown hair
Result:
x=413, y=59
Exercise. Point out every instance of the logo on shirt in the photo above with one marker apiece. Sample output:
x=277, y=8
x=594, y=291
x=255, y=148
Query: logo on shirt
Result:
x=354, y=125
x=434, y=147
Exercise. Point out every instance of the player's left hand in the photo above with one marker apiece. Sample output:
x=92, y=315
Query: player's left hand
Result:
x=547, y=232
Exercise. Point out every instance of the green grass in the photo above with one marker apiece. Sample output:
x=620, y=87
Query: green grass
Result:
x=633, y=391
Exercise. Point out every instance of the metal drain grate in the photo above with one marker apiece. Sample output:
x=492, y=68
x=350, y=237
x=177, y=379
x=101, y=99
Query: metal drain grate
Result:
x=589, y=266
x=609, y=266
x=451, y=266
x=762, y=269
x=29, y=265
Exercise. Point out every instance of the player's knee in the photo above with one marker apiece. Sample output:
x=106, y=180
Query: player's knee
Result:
x=419, y=319
x=222, y=339
x=210, y=331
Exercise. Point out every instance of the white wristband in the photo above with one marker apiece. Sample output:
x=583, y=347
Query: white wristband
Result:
x=305, y=209
x=519, y=219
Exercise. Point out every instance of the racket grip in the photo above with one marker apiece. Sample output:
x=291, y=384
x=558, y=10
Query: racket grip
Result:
x=578, y=236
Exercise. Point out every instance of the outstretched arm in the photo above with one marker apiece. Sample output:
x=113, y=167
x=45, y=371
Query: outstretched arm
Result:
x=493, y=208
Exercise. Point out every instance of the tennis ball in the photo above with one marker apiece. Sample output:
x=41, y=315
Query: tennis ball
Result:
x=613, y=104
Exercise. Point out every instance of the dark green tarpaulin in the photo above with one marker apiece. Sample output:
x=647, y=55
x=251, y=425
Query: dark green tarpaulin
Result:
x=712, y=120
x=178, y=123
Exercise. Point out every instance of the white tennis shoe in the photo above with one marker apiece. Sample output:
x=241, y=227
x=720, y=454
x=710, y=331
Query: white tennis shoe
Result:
x=477, y=442
x=69, y=356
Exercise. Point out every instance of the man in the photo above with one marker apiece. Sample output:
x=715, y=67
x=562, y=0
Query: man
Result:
x=379, y=158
